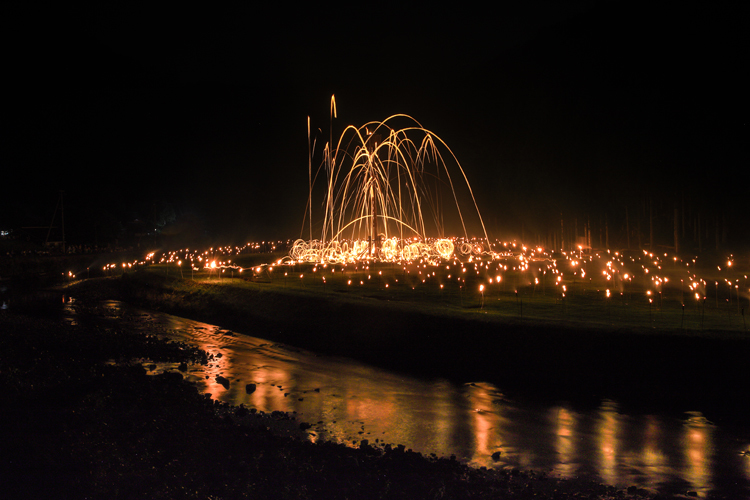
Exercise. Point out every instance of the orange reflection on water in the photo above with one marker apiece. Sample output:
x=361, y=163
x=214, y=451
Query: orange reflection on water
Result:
x=652, y=456
x=267, y=395
x=564, y=422
x=698, y=451
x=607, y=438
x=218, y=366
x=484, y=421
x=443, y=416
x=368, y=409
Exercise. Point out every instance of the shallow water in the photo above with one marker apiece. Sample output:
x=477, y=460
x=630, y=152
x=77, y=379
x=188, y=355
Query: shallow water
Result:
x=347, y=401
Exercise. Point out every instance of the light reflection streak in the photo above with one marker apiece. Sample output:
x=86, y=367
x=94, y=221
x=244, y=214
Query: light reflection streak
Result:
x=652, y=455
x=698, y=442
x=608, y=429
x=565, y=443
x=483, y=421
x=444, y=414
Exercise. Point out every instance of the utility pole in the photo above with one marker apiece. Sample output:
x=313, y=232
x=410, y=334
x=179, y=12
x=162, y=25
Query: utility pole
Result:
x=62, y=220
x=627, y=227
x=606, y=232
x=62, y=217
x=651, y=224
x=562, y=233
x=676, y=230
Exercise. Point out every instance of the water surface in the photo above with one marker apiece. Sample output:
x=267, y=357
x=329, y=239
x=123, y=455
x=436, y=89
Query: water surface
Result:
x=347, y=401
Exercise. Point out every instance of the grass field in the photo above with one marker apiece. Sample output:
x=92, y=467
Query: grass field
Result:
x=610, y=291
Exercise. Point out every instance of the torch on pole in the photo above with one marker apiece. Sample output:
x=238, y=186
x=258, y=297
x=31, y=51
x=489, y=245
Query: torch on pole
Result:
x=682, y=320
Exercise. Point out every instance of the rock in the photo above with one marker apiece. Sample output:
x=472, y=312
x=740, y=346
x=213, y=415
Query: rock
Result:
x=182, y=367
x=692, y=493
x=223, y=381
x=250, y=388
x=304, y=426
x=632, y=490
x=496, y=456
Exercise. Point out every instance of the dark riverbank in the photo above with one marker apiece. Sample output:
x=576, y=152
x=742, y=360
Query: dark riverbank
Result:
x=83, y=420
x=683, y=371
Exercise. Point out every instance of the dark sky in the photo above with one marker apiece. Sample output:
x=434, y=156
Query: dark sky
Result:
x=581, y=107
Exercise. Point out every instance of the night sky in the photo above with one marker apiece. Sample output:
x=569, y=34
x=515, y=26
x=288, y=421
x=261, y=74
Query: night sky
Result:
x=579, y=108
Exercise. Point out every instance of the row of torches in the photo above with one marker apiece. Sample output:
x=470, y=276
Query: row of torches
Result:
x=489, y=265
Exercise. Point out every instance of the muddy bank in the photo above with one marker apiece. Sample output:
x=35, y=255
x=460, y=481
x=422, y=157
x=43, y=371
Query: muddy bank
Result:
x=702, y=371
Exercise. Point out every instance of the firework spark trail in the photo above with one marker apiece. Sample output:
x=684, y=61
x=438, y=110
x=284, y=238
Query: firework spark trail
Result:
x=380, y=183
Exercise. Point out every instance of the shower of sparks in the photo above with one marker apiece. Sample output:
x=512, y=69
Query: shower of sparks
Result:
x=386, y=190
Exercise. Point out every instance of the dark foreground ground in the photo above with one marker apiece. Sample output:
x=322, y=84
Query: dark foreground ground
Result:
x=83, y=420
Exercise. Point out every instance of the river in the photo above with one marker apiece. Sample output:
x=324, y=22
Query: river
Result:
x=347, y=401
